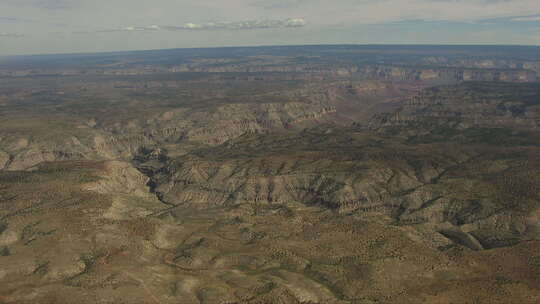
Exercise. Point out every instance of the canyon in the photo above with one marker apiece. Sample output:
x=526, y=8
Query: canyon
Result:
x=308, y=174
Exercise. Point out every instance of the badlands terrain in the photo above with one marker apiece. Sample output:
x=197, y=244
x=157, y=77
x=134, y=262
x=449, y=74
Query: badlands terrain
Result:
x=301, y=174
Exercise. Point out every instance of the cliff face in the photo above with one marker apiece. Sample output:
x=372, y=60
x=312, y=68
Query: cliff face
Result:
x=398, y=63
x=345, y=70
x=184, y=114
x=267, y=179
x=471, y=71
x=447, y=74
x=110, y=140
x=352, y=172
x=322, y=216
x=487, y=105
x=90, y=231
x=224, y=122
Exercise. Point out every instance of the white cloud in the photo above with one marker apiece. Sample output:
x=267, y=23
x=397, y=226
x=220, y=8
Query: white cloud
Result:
x=339, y=12
x=43, y=4
x=238, y=25
x=190, y=23
x=138, y=28
x=526, y=19
x=10, y=35
x=123, y=29
x=241, y=25
x=295, y=22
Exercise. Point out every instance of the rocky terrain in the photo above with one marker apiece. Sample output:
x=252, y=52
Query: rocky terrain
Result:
x=468, y=105
x=95, y=119
x=446, y=74
x=436, y=64
x=375, y=184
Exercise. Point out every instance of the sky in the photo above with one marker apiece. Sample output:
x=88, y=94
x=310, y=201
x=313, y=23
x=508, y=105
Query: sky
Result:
x=70, y=26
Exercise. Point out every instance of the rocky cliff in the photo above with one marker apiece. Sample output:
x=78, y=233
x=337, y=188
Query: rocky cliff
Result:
x=110, y=140
x=487, y=105
x=247, y=186
x=352, y=172
x=446, y=74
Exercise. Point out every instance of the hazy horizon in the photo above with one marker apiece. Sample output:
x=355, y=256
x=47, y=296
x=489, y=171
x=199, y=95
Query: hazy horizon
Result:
x=273, y=45
x=75, y=26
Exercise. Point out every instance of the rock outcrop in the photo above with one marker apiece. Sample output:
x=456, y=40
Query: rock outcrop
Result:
x=414, y=187
x=257, y=176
